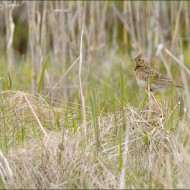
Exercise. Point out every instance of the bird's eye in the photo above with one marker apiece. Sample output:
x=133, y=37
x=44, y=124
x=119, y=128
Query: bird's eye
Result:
x=139, y=59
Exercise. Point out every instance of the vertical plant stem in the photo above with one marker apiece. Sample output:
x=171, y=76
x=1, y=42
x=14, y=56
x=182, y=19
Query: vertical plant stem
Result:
x=122, y=90
x=10, y=26
x=185, y=81
x=124, y=160
x=81, y=90
x=176, y=29
x=94, y=117
x=125, y=37
x=187, y=21
x=31, y=21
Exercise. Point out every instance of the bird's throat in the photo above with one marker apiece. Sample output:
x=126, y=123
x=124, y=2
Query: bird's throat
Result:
x=137, y=67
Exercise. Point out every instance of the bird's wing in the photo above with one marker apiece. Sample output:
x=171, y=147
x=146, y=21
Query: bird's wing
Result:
x=157, y=78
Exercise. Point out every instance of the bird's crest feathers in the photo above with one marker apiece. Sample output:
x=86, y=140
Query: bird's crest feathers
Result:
x=139, y=56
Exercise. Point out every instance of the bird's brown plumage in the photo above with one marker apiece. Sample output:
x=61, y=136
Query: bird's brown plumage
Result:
x=144, y=74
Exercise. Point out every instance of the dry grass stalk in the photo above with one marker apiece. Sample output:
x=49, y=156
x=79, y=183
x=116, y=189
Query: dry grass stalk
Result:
x=124, y=159
x=81, y=90
x=10, y=173
x=177, y=61
x=36, y=117
x=32, y=41
x=176, y=29
x=156, y=152
x=55, y=163
x=22, y=111
x=10, y=26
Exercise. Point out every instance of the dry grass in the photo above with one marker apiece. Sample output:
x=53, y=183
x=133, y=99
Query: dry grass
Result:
x=89, y=126
x=157, y=156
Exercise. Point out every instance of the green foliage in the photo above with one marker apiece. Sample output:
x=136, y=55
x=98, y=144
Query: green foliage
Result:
x=93, y=105
x=145, y=99
x=2, y=185
x=42, y=78
x=64, y=158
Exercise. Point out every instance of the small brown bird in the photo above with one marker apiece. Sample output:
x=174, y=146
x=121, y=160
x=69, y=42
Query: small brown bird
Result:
x=144, y=74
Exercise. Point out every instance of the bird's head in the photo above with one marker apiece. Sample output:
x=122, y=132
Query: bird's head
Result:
x=141, y=61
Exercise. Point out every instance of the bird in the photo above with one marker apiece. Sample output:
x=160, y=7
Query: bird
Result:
x=145, y=75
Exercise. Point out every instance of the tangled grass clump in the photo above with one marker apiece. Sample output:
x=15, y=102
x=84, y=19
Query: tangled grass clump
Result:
x=24, y=116
x=149, y=151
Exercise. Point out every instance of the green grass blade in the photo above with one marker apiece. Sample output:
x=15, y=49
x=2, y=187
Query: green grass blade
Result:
x=10, y=81
x=93, y=105
x=2, y=185
x=152, y=79
x=114, y=111
x=95, y=123
x=144, y=101
x=42, y=78
x=122, y=90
